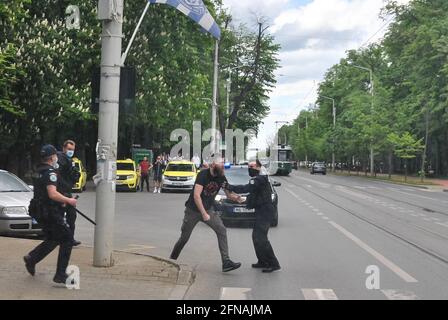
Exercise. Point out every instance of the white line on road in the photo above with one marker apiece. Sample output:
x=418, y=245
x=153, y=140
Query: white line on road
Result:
x=389, y=264
x=399, y=295
x=445, y=224
x=234, y=293
x=319, y=294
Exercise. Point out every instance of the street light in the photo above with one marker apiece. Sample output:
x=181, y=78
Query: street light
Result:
x=214, y=149
x=229, y=86
x=372, y=155
x=333, y=164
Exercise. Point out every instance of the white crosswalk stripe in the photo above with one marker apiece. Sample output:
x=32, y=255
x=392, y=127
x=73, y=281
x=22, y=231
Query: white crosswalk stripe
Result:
x=234, y=293
x=319, y=294
x=399, y=295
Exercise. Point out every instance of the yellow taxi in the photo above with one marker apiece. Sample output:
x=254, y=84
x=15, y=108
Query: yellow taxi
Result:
x=128, y=177
x=80, y=185
x=179, y=175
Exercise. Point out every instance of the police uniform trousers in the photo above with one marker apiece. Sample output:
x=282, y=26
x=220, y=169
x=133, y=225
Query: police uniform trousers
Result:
x=263, y=248
x=57, y=233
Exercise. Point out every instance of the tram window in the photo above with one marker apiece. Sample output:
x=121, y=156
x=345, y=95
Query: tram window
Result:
x=282, y=156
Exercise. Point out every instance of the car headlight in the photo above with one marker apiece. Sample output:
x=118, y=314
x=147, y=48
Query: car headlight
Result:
x=192, y=178
x=15, y=211
x=130, y=177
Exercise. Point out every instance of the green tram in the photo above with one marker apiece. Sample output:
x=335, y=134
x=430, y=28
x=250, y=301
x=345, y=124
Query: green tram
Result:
x=281, y=162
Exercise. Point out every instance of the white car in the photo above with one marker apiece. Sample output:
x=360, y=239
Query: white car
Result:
x=15, y=197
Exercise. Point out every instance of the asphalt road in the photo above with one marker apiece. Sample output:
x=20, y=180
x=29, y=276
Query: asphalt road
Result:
x=331, y=230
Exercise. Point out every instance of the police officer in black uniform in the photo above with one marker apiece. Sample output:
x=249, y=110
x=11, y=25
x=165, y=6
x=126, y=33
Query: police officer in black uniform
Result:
x=69, y=175
x=47, y=207
x=260, y=199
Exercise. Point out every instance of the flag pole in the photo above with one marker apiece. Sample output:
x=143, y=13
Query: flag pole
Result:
x=215, y=98
x=125, y=54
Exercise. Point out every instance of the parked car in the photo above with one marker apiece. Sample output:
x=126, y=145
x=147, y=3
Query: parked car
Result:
x=80, y=185
x=319, y=167
x=128, y=178
x=235, y=214
x=15, y=197
x=179, y=175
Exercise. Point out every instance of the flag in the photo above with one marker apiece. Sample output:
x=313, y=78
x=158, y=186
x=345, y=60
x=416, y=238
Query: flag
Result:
x=197, y=11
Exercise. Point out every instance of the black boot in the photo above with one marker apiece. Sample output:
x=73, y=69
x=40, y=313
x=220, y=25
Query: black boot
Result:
x=29, y=265
x=230, y=266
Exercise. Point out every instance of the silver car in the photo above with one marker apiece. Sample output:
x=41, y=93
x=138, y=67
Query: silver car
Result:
x=15, y=196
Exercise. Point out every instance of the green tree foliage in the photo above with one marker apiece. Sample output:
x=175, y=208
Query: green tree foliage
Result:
x=46, y=71
x=410, y=85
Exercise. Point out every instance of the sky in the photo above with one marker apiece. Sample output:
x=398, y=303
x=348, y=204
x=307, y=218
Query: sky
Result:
x=314, y=35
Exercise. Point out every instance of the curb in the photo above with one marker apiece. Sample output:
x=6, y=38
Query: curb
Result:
x=186, y=274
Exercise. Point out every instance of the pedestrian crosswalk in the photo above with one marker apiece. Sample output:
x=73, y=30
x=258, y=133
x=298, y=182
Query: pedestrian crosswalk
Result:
x=227, y=293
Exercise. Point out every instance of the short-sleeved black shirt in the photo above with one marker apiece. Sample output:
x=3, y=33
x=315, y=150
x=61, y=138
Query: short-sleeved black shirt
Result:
x=211, y=185
x=47, y=176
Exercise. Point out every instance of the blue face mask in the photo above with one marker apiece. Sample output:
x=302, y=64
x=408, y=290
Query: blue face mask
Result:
x=70, y=153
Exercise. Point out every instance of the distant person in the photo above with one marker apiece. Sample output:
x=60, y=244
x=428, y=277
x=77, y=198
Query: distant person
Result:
x=145, y=166
x=199, y=209
x=69, y=174
x=158, y=173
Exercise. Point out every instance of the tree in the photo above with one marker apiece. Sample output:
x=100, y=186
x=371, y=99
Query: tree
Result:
x=406, y=147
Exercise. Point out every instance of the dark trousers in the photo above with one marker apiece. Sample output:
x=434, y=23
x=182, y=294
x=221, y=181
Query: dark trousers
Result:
x=191, y=219
x=144, y=178
x=56, y=234
x=71, y=218
x=263, y=248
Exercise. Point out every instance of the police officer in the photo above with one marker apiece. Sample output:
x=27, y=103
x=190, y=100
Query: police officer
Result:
x=69, y=175
x=51, y=216
x=260, y=199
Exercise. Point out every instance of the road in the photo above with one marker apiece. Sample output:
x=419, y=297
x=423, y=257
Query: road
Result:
x=331, y=230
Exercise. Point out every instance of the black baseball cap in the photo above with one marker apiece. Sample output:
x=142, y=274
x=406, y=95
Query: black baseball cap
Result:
x=47, y=151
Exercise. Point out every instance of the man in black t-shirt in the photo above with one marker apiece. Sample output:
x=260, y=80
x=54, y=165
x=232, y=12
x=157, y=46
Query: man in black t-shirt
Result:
x=199, y=208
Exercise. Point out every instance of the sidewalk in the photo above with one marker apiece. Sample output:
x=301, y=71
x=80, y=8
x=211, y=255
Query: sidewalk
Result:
x=134, y=276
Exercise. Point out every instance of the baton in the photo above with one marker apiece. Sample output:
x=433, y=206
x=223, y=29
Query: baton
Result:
x=83, y=215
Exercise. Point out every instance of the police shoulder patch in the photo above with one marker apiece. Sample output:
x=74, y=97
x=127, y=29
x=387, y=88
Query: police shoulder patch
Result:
x=53, y=177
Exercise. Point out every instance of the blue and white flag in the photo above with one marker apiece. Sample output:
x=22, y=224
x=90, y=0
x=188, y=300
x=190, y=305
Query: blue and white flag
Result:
x=197, y=11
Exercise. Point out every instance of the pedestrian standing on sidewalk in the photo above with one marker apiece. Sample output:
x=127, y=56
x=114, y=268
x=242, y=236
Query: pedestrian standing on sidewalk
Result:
x=158, y=172
x=48, y=208
x=145, y=166
x=199, y=208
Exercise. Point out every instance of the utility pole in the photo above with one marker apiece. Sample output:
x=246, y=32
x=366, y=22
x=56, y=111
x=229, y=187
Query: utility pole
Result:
x=215, y=98
x=111, y=14
x=372, y=92
x=333, y=161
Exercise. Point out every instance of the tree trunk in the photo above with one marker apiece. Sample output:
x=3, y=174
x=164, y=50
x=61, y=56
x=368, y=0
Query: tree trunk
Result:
x=391, y=163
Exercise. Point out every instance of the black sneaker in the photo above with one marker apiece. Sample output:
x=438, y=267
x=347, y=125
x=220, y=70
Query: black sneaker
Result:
x=230, y=266
x=260, y=265
x=30, y=267
x=271, y=269
x=60, y=278
x=76, y=243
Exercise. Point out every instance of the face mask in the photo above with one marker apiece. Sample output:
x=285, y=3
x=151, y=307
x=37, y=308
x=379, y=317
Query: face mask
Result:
x=55, y=163
x=253, y=172
x=70, y=153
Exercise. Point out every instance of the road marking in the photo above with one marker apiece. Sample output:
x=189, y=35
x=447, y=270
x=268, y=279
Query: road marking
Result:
x=399, y=295
x=325, y=218
x=389, y=264
x=140, y=247
x=319, y=294
x=445, y=224
x=234, y=293
x=424, y=197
